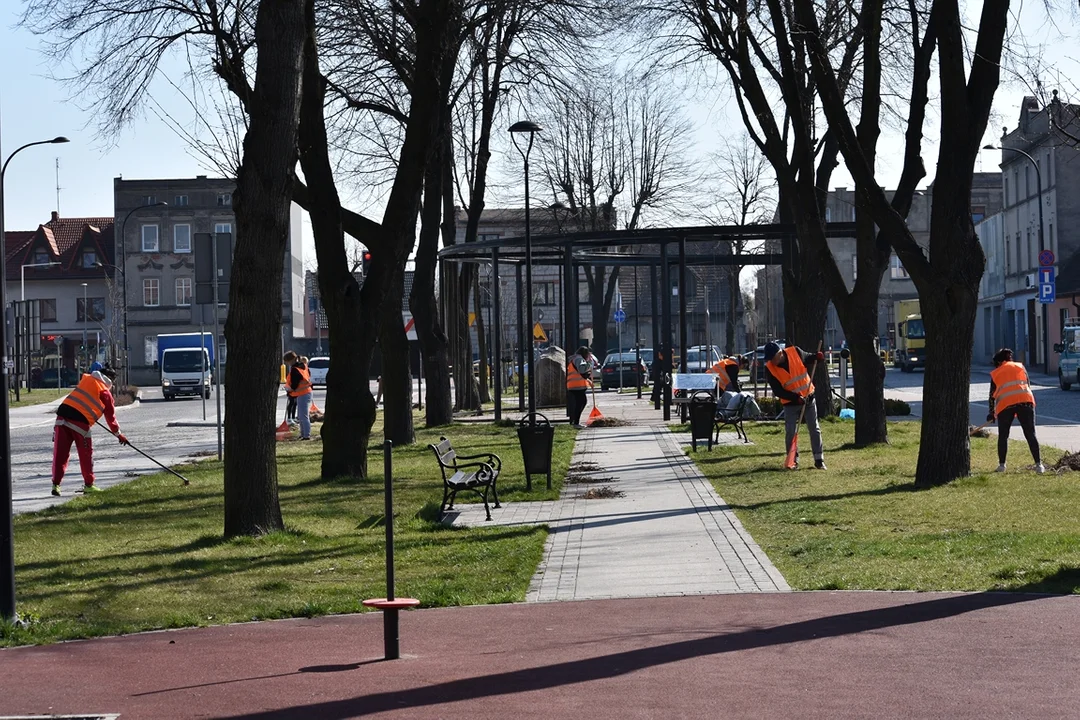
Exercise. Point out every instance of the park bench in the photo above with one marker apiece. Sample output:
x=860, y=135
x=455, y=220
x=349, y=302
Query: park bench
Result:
x=732, y=416
x=478, y=476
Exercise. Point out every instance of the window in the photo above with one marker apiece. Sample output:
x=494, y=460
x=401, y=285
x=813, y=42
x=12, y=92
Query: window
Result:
x=151, y=292
x=1027, y=180
x=223, y=228
x=41, y=256
x=1027, y=250
x=149, y=200
x=150, y=238
x=47, y=310
x=487, y=236
x=1008, y=255
x=224, y=199
x=897, y=271
x=182, y=238
x=828, y=214
x=150, y=349
x=978, y=213
x=854, y=267
x=1006, y=179
x=89, y=258
x=96, y=307
x=1018, y=252
x=545, y=293
x=183, y=291
x=180, y=201
x=1050, y=238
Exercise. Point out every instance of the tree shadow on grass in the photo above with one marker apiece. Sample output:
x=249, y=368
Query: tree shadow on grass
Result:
x=875, y=492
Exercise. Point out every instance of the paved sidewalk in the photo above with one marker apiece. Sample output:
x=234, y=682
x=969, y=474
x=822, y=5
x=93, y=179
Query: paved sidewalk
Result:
x=668, y=534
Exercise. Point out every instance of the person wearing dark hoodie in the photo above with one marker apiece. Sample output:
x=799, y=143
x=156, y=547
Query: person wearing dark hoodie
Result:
x=80, y=410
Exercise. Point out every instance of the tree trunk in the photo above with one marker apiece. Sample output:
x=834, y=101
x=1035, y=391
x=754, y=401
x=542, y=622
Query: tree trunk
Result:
x=261, y=203
x=869, y=382
x=349, y=407
x=481, y=346
x=433, y=341
x=396, y=372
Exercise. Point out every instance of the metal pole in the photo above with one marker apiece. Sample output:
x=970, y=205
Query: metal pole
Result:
x=391, y=645
x=496, y=328
x=217, y=347
x=665, y=331
x=654, y=281
x=637, y=333
x=529, y=289
x=85, y=314
x=683, y=343
x=521, y=345
x=202, y=363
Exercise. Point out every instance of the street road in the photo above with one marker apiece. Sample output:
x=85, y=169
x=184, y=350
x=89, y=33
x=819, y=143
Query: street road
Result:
x=173, y=432
x=1057, y=412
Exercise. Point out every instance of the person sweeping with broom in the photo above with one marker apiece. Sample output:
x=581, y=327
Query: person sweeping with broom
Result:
x=89, y=401
x=790, y=381
x=578, y=383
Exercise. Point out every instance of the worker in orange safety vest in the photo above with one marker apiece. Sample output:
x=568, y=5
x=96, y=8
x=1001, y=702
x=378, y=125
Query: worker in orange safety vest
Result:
x=88, y=402
x=1011, y=397
x=726, y=371
x=578, y=383
x=299, y=387
x=791, y=383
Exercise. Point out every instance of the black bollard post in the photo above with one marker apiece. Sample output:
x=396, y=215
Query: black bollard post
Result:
x=390, y=615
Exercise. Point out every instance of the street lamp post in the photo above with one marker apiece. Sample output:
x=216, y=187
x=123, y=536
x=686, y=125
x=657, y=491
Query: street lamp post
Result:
x=123, y=261
x=519, y=128
x=7, y=524
x=1042, y=244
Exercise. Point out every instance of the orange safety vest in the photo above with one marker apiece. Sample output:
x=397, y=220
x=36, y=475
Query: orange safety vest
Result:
x=1010, y=386
x=86, y=398
x=305, y=384
x=720, y=369
x=795, y=378
x=574, y=379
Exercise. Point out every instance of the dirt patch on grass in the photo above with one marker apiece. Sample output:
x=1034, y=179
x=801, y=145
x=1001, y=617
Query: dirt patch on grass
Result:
x=1069, y=462
x=601, y=493
x=606, y=422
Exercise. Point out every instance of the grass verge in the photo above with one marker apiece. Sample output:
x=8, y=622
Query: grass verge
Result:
x=37, y=396
x=149, y=554
x=862, y=525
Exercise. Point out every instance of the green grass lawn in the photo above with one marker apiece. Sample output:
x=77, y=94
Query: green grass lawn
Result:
x=37, y=396
x=149, y=554
x=861, y=525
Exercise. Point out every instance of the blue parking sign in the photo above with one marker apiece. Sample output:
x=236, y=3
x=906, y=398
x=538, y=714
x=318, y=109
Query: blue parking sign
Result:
x=1047, y=293
x=620, y=315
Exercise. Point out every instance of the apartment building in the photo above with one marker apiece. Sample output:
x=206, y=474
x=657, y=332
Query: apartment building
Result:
x=157, y=220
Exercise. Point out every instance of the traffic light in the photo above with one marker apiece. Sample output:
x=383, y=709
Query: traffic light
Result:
x=366, y=263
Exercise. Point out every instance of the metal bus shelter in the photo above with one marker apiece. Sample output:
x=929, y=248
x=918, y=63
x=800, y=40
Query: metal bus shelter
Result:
x=662, y=250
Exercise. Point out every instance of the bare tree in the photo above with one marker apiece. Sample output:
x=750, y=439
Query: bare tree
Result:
x=745, y=193
x=948, y=279
x=115, y=50
x=612, y=149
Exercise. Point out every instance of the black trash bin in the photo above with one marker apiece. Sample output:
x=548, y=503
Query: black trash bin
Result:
x=702, y=417
x=537, y=436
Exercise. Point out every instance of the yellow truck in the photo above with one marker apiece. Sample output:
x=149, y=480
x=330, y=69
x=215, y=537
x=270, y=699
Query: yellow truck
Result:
x=910, y=336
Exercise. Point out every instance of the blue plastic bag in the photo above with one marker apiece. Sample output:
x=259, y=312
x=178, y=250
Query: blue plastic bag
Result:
x=847, y=414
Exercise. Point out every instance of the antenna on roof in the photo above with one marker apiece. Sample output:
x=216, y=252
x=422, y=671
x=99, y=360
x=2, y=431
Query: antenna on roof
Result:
x=57, y=186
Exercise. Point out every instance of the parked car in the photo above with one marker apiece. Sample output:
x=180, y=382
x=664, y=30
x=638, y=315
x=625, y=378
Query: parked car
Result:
x=621, y=365
x=700, y=359
x=318, y=367
x=757, y=361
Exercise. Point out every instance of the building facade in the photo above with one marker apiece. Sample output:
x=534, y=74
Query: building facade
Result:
x=62, y=267
x=988, y=325
x=157, y=221
x=1040, y=171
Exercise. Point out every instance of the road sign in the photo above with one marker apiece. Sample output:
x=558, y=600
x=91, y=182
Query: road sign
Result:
x=1047, y=293
x=1046, y=257
x=620, y=315
x=1046, y=275
x=410, y=326
x=538, y=333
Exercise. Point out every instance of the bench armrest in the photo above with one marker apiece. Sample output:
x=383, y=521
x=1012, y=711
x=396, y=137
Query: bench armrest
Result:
x=482, y=469
x=490, y=458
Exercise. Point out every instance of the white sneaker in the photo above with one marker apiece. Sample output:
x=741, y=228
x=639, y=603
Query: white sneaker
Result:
x=1001, y=468
x=1040, y=469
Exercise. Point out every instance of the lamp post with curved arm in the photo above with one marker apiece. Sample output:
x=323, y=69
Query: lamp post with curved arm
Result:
x=7, y=524
x=123, y=261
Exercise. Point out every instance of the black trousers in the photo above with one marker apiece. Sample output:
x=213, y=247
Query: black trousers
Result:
x=1026, y=415
x=576, y=400
x=290, y=408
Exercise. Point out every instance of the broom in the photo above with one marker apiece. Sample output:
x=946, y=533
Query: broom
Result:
x=595, y=414
x=793, y=449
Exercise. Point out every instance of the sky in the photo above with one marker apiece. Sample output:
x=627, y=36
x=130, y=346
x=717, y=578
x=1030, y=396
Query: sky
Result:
x=34, y=107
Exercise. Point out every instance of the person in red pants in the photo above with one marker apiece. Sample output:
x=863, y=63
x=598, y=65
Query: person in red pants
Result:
x=90, y=400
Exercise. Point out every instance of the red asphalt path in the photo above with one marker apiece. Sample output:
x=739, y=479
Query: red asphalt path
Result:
x=805, y=655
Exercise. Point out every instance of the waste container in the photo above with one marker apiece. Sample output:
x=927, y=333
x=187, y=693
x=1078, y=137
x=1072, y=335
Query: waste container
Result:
x=537, y=436
x=702, y=417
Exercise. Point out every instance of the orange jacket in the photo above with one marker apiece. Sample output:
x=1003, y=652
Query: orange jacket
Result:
x=1010, y=386
x=720, y=369
x=91, y=399
x=795, y=378
x=574, y=379
x=304, y=386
